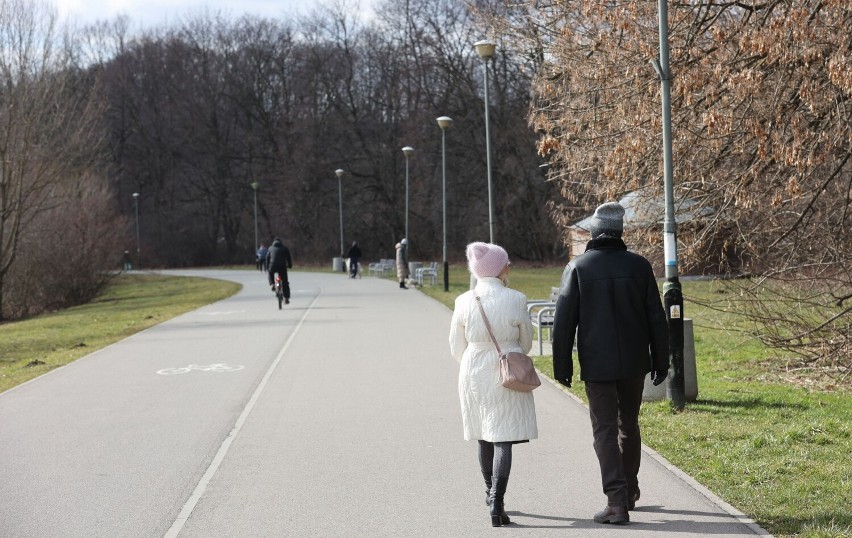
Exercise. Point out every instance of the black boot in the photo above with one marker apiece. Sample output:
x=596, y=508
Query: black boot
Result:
x=498, y=490
x=617, y=515
x=487, y=478
x=402, y=286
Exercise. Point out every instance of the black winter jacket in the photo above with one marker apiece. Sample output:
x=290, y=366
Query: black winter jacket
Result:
x=610, y=297
x=278, y=257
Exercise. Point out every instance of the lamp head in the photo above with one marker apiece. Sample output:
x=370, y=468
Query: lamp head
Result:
x=340, y=172
x=136, y=195
x=254, y=185
x=408, y=150
x=444, y=122
x=485, y=49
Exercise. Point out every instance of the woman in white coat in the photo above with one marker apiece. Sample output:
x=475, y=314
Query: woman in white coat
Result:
x=495, y=416
x=402, y=262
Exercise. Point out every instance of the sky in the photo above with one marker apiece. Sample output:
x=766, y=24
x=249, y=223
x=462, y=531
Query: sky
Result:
x=148, y=13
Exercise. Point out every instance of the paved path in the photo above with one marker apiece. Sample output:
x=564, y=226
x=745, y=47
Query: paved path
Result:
x=342, y=420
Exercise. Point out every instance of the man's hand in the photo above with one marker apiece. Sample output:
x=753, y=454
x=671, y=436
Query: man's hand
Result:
x=658, y=376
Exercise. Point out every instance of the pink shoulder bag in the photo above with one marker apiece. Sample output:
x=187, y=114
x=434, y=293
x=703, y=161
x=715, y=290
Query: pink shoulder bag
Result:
x=516, y=369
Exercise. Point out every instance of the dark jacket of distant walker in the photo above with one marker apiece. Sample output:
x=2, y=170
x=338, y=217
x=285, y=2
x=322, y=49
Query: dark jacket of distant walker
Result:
x=278, y=257
x=622, y=331
x=354, y=252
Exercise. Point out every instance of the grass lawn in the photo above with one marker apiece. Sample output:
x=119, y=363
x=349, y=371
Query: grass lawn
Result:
x=778, y=451
x=130, y=304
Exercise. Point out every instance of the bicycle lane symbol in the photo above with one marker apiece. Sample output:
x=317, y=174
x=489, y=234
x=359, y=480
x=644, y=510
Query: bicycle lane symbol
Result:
x=218, y=367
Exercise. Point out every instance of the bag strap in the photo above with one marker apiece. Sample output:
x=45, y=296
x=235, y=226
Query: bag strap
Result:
x=487, y=325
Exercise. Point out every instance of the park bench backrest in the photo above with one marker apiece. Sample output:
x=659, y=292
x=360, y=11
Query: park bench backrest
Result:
x=554, y=294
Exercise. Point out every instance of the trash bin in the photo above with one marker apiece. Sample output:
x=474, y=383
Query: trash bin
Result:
x=690, y=375
x=337, y=265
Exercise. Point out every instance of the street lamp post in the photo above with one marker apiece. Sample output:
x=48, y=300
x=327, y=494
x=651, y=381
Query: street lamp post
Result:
x=672, y=294
x=485, y=50
x=138, y=249
x=408, y=150
x=254, y=186
x=340, y=173
x=444, y=122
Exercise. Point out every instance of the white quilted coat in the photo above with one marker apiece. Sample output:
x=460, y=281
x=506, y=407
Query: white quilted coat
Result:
x=491, y=412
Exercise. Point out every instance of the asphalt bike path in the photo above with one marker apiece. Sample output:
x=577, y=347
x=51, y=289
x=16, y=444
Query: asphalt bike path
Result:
x=108, y=447
x=336, y=416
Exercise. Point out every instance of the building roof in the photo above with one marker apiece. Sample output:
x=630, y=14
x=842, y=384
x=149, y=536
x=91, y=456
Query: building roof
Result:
x=641, y=211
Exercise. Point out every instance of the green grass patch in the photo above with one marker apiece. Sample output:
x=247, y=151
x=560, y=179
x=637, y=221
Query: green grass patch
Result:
x=778, y=451
x=534, y=282
x=130, y=304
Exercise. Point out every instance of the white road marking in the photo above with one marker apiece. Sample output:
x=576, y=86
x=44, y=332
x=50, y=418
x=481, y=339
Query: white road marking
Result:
x=187, y=509
x=217, y=367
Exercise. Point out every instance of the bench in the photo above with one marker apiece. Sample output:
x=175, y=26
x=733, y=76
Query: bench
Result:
x=541, y=313
x=378, y=268
x=427, y=271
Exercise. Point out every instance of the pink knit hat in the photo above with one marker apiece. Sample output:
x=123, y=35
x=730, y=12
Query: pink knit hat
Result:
x=485, y=259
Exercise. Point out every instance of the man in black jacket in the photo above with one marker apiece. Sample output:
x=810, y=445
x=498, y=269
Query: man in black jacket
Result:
x=278, y=260
x=354, y=255
x=610, y=298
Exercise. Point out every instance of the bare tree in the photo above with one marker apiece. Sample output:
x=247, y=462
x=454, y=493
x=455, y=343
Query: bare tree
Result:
x=48, y=128
x=761, y=95
x=69, y=251
x=201, y=111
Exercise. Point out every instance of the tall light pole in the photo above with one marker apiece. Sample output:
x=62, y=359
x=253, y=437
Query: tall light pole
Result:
x=340, y=173
x=672, y=294
x=444, y=122
x=254, y=186
x=408, y=150
x=485, y=49
x=138, y=249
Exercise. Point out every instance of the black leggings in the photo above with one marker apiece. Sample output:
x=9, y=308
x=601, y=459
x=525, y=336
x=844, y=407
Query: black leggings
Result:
x=495, y=459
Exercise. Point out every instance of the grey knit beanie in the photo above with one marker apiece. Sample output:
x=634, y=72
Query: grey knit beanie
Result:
x=608, y=219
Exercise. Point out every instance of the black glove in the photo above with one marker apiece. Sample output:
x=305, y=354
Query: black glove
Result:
x=566, y=382
x=658, y=376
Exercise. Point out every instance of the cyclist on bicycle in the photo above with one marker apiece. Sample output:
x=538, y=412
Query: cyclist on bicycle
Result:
x=278, y=260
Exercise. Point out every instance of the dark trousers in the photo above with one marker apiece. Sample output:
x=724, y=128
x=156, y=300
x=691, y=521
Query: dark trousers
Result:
x=285, y=284
x=614, y=410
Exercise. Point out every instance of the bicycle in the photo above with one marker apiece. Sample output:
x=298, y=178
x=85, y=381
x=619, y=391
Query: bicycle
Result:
x=279, y=291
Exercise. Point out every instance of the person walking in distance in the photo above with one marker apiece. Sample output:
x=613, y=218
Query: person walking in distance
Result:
x=354, y=255
x=495, y=416
x=610, y=298
x=261, y=257
x=402, y=271
x=278, y=260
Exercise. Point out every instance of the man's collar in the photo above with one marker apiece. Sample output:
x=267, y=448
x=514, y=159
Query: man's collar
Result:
x=606, y=243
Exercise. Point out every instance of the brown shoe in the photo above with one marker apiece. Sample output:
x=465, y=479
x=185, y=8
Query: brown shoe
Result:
x=631, y=501
x=617, y=515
